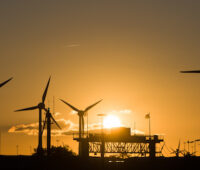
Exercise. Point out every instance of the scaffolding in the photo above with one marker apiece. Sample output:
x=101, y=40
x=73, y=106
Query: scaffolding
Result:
x=118, y=142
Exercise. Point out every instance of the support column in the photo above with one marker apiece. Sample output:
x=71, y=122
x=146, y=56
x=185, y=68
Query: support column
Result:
x=48, y=132
x=80, y=138
x=102, y=149
x=152, y=149
x=39, y=149
x=85, y=149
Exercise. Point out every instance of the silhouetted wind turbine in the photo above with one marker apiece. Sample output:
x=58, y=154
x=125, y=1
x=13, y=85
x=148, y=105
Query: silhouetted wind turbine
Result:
x=47, y=121
x=40, y=106
x=191, y=71
x=177, y=151
x=81, y=114
x=2, y=84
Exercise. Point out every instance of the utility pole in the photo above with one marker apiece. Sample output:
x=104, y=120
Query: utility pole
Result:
x=147, y=116
x=188, y=146
x=149, y=125
x=57, y=142
x=102, y=137
x=134, y=128
x=31, y=149
x=17, y=149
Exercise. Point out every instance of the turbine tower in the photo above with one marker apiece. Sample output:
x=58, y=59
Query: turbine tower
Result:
x=47, y=121
x=5, y=82
x=40, y=106
x=81, y=114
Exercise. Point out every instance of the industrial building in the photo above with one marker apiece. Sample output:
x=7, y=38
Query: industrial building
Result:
x=118, y=140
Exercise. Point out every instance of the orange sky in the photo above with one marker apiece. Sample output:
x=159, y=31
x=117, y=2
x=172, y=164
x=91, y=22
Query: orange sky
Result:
x=128, y=53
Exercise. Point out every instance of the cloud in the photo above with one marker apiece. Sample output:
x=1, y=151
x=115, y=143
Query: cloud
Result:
x=73, y=45
x=73, y=112
x=125, y=111
x=67, y=126
x=57, y=114
x=32, y=128
x=138, y=132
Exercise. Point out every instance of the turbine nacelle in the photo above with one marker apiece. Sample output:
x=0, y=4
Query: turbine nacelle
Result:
x=41, y=106
x=81, y=113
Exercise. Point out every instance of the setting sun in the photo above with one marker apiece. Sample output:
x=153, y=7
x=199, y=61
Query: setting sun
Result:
x=111, y=121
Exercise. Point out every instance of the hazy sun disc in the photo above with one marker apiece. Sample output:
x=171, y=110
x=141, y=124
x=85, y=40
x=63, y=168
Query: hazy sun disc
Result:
x=111, y=121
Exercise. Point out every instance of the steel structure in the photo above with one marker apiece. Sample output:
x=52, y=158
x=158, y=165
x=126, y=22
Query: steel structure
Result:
x=136, y=145
x=138, y=149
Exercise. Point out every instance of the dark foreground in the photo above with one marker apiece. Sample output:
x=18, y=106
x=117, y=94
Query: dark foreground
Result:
x=73, y=163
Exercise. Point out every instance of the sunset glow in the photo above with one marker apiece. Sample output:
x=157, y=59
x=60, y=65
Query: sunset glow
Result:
x=111, y=121
x=129, y=54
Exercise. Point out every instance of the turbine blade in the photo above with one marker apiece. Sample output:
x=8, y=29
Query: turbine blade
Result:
x=55, y=122
x=2, y=84
x=89, y=107
x=191, y=71
x=46, y=110
x=46, y=89
x=70, y=106
x=28, y=108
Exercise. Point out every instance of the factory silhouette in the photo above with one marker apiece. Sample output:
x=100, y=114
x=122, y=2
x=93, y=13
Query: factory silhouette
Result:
x=137, y=151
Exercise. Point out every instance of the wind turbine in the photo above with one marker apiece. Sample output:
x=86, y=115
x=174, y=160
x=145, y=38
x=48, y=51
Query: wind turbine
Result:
x=177, y=151
x=40, y=106
x=81, y=114
x=47, y=121
x=5, y=82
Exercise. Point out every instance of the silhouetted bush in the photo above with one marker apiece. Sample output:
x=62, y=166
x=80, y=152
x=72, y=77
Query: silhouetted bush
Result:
x=57, y=151
x=62, y=151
